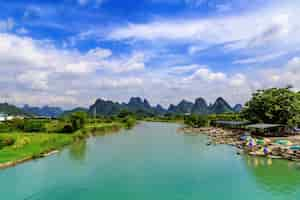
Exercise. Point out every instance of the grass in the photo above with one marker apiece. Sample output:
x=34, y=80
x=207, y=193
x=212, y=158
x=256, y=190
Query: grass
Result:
x=35, y=144
x=32, y=145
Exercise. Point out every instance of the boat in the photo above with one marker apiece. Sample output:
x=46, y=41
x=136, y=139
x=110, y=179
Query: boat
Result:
x=257, y=153
x=295, y=147
x=274, y=157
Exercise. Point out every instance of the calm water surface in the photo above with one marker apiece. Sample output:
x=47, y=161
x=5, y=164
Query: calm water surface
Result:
x=152, y=161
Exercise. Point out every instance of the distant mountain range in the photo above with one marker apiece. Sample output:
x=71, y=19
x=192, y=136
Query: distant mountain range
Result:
x=78, y=109
x=11, y=110
x=138, y=105
x=46, y=111
x=135, y=104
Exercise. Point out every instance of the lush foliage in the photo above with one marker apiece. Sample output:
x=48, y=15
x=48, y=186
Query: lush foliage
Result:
x=16, y=144
x=226, y=117
x=196, y=121
x=19, y=146
x=34, y=126
x=78, y=119
x=275, y=105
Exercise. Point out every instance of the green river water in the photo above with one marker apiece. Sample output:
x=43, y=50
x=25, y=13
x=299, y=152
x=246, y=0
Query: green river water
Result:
x=151, y=162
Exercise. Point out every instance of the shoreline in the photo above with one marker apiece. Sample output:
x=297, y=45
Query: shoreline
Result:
x=23, y=160
x=233, y=138
x=82, y=134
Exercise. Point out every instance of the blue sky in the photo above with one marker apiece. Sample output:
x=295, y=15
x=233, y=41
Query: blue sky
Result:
x=70, y=52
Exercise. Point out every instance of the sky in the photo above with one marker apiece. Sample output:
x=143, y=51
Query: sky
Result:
x=68, y=53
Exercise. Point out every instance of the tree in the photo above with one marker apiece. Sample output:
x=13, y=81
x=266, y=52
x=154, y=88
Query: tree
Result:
x=196, y=121
x=78, y=120
x=125, y=113
x=274, y=105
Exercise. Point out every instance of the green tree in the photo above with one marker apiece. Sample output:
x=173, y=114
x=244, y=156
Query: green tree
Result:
x=274, y=105
x=196, y=121
x=78, y=120
x=125, y=113
x=34, y=126
x=129, y=122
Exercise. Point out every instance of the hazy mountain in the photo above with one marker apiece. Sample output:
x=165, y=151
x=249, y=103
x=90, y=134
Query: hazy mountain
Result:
x=137, y=104
x=237, y=108
x=43, y=111
x=183, y=107
x=11, y=109
x=78, y=109
x=220, y=106
x=159, y=110
x=106, y=108
x=142, y=106
x=200, y=107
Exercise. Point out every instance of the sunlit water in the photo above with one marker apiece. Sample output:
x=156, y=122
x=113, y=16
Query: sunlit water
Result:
x=152, y=161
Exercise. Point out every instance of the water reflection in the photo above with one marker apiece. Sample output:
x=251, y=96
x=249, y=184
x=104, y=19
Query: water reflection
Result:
x=78, y=150
x=276, y=176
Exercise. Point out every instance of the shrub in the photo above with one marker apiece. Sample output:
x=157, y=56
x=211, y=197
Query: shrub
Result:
x=6, y=142
x=34, y=126
x=4, y=128
x=196, y=121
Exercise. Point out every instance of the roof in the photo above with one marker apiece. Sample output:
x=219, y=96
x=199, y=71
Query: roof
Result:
x=232, y=122
x=264, y=126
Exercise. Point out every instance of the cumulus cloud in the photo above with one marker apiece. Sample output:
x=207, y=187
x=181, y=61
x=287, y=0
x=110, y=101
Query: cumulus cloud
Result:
x=37, y=80
x=110, y=83
x=206, y=74
x=39, y=72
x=289, y=74
x=39, y=66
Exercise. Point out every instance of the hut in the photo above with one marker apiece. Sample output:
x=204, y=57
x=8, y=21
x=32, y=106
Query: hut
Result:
x=272, y=130
x=231, y=124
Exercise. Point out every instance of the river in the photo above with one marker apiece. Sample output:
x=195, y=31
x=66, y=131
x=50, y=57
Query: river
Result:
x=151, y=161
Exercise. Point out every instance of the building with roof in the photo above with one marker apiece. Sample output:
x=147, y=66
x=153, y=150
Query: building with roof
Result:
x=267, y=129
x=3, y=117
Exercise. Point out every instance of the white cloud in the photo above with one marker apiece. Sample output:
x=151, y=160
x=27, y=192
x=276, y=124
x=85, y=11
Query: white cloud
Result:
x=260, y=59
x=185, y=68
x=112, y=83
x=196, y=49
x=29, y=65
x=207, y=75
x=273, y=27
x=238, y=80
x=43, y=55
x=37, y=80
x=135, y=62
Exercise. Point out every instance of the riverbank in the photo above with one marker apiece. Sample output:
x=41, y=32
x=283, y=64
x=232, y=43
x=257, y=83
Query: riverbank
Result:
x=287, y=148
x=27, y=147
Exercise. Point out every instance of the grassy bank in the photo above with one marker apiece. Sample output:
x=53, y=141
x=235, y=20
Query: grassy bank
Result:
x=17, y=146
x=31, y=145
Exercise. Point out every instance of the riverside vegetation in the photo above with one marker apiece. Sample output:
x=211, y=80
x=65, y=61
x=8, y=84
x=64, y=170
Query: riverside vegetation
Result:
x=32, y=138
x=271, y=106
x=26, y=139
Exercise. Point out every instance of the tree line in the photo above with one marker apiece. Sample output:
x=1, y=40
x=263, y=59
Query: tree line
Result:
x=273, y=105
